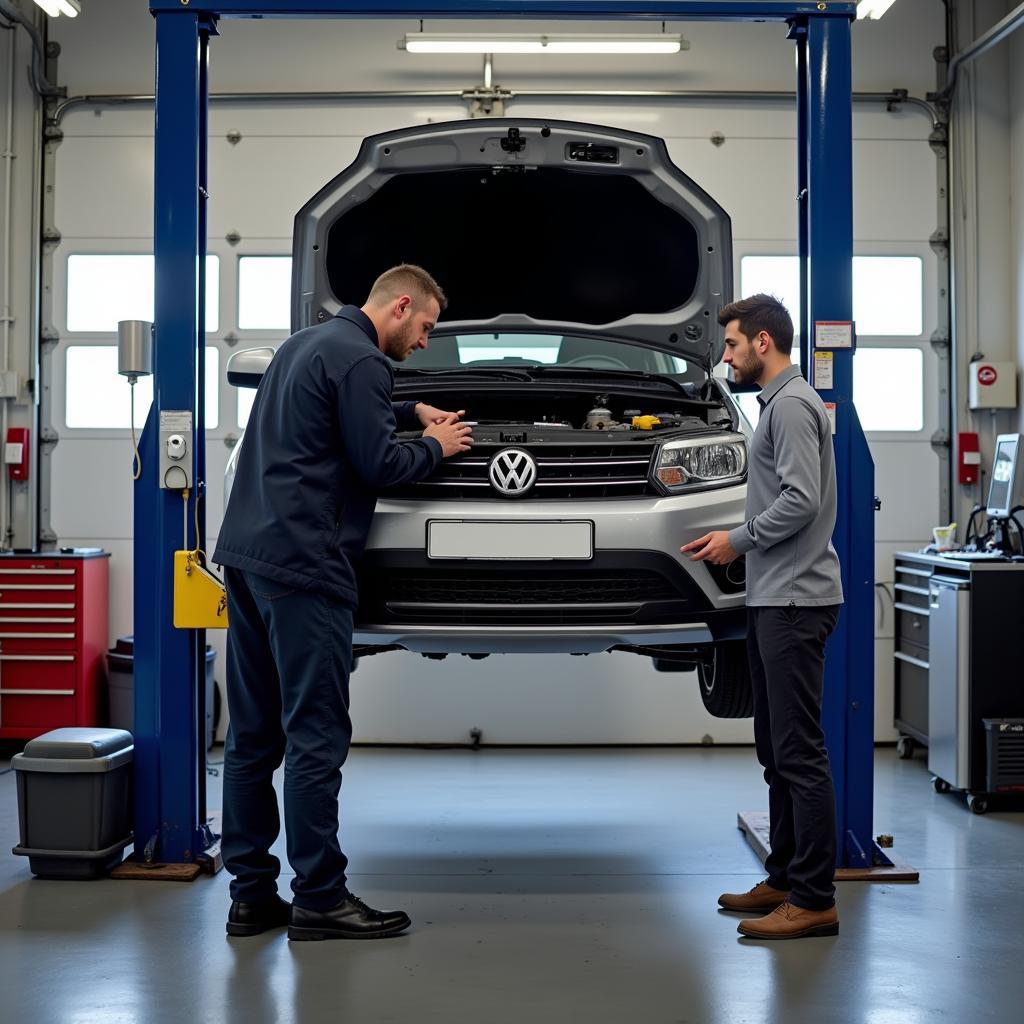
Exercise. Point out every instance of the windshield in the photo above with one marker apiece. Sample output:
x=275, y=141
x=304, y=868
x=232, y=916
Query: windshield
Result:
x=511, y=350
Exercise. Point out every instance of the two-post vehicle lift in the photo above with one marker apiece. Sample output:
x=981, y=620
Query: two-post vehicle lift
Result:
x=170, y=812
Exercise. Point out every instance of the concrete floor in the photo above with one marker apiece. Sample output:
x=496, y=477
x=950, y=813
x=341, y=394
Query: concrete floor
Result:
x=544, y=887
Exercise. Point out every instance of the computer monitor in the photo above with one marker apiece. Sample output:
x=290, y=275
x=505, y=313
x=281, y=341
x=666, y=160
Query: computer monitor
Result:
x=1007, y=486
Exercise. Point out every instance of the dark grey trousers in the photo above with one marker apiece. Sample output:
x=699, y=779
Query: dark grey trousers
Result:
x=786, y=647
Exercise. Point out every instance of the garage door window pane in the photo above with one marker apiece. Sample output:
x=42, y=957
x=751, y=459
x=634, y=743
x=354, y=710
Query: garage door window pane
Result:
x=246, y=396
x=887, y=290
x=888, y=388
x=751, y=406
x=773, y=275
x=97, y=397
x=103, y=289
x=887, y=295
x=264, y=293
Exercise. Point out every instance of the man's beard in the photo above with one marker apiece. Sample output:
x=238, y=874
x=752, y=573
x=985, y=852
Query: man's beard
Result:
x=399, y=345
x=749, y=371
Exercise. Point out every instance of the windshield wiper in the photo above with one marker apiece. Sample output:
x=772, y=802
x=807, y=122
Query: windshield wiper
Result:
x=499, y=372
x=592, y=371
x=527, y=374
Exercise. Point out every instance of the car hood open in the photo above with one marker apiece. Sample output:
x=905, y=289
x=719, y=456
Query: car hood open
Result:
x=530, y=227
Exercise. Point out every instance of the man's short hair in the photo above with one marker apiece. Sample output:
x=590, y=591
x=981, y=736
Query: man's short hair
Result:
x=405, y=279
x=761, y=313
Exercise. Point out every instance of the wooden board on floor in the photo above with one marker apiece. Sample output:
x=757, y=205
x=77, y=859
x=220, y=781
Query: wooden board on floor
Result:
x=754, y=825
x=135, y=870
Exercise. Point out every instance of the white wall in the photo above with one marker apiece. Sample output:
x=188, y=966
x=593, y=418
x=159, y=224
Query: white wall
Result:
x=104, y=195
x=986, y=222
x=19, y=163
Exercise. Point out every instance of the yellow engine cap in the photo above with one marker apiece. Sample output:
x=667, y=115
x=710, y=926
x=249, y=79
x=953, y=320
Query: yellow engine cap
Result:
x=646, y=422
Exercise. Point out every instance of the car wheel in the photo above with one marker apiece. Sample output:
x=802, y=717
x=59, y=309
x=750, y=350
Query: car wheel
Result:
x=725, y=681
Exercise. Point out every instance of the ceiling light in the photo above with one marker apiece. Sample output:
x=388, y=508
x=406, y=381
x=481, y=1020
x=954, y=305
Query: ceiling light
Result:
x=870, y=10
x=453, y=42
x=54, y=8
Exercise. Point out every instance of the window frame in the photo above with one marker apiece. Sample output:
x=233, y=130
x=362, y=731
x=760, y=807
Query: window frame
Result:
x=248, y=332
x=225, y=339
x=62, y=277
x=250, y=337
x=929, y=320
x=60, y=393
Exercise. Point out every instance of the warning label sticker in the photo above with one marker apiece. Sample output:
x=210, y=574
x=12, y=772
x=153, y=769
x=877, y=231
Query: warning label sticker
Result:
x=830, y=409
x=824, y=378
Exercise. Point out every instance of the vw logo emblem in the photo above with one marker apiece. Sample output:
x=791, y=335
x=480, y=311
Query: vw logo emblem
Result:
x=512, y=472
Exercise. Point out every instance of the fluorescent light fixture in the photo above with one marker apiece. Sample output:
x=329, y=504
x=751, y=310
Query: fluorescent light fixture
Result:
x=54, y=8
x=453, y=42
x=869, y=10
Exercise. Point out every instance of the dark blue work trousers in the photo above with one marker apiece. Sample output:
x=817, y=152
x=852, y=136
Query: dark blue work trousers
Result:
x=786, y=649
x=288, y=665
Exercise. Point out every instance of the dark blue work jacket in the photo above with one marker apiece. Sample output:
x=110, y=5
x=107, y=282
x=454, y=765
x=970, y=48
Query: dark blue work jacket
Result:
x=319, y=446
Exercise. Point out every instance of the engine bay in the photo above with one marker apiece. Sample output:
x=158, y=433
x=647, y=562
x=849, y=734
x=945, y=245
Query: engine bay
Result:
x=598, y=421
x=505, y=419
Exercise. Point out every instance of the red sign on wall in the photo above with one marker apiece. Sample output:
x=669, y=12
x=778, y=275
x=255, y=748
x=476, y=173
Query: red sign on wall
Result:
x=987, y=375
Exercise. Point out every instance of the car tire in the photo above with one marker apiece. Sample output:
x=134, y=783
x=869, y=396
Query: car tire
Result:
x=724, y=681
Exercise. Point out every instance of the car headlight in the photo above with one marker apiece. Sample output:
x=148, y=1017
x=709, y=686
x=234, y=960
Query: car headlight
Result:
x=698, y=463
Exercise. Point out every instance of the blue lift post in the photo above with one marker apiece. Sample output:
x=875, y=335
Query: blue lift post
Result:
x=824, y=94
x=169, y=820
x=168, y=781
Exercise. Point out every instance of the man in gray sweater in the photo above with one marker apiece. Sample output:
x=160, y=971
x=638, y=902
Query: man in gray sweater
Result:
x=793, y=596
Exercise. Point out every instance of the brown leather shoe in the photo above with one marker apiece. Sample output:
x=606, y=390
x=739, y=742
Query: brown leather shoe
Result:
x=761, y=897
x=791, y=922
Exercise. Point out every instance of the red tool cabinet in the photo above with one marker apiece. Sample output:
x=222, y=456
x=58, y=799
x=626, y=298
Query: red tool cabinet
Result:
x=53, y=638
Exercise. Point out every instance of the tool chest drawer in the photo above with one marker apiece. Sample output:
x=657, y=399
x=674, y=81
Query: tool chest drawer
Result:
x=911, y=624
x=53, y=638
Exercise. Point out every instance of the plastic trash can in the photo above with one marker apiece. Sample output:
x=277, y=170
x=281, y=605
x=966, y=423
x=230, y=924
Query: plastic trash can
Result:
x=74, y=801
x=121, y=686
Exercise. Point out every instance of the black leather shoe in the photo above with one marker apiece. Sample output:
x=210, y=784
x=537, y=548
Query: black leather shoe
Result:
x=256, y=918
x=350, y=919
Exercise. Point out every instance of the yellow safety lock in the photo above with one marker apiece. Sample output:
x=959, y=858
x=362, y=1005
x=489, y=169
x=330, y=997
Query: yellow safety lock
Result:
x=200, y=600
x=645, y=422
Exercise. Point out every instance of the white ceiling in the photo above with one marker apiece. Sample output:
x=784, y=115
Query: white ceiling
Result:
x=109, y=48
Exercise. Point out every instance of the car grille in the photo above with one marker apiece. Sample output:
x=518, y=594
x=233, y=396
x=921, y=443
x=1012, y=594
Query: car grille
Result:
x=523, y=596
x=564, y=471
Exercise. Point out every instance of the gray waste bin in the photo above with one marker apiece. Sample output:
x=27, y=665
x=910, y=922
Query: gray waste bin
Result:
x=74, y=801
x=121, y=686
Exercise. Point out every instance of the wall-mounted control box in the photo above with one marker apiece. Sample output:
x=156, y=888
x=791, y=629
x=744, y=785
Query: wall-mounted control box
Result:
x=175, y=449
x=993, y=385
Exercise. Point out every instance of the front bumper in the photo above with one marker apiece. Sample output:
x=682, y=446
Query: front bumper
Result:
x=531, y=640
x=487, y=607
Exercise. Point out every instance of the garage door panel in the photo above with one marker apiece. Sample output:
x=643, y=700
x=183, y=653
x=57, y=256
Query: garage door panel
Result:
x=906, y=479
x=92, y=467
x=603, y=698
x=105, y=188
x=886, y=206
x=242, y=178
x=767, y=211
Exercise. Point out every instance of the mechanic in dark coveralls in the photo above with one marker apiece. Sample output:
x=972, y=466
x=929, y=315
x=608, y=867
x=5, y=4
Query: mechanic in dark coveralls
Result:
x=319, y=446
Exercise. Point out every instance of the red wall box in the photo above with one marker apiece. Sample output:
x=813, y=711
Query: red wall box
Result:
x=53, y=638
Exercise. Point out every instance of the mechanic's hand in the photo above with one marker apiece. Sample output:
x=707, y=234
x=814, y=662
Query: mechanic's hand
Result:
x=453, y=436
x=427, y=415
x=712, y=547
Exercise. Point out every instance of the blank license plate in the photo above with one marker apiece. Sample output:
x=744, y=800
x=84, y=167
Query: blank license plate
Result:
x=466, y=538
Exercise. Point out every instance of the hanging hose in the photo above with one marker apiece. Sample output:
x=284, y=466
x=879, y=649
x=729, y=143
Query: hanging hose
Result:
x=136, y=458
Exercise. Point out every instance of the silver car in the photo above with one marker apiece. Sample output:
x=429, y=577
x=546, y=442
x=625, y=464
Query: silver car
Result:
x=585, y=273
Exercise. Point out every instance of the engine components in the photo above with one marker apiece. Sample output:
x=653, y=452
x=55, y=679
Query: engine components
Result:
x=600, y=419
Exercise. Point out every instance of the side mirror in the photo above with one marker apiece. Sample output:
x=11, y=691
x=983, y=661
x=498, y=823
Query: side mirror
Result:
x=246, y=368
